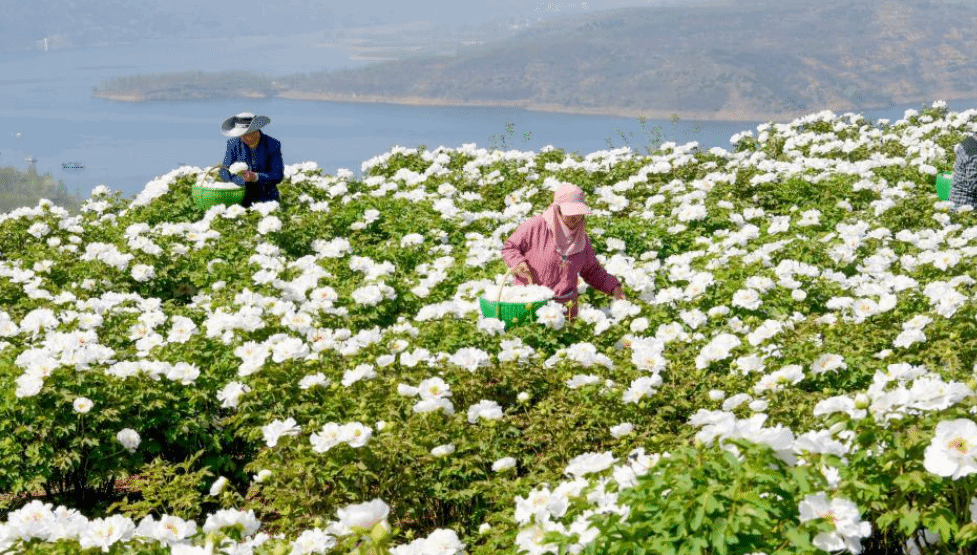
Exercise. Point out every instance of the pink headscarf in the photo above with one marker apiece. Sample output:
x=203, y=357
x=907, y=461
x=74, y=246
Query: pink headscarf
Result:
x=568, y=241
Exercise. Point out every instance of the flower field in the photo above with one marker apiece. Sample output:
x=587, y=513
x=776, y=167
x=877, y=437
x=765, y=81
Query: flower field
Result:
x=793, y=371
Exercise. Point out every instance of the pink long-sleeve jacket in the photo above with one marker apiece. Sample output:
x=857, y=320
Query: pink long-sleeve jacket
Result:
x=532, y=242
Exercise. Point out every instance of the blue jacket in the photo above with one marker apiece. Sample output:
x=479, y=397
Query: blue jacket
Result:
x=265, y=160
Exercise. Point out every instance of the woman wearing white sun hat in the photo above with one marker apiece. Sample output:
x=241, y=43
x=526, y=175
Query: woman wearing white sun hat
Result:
x=261, y=152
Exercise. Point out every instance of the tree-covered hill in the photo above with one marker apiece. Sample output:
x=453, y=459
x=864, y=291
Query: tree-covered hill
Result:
x=19, y=189
x=725, y=59
x=751, y=60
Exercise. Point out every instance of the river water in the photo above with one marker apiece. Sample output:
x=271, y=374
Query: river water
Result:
x=47, y=113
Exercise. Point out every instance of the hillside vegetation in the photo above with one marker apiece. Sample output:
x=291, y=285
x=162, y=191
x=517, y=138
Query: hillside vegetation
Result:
x=22, y=189
x=784, y=57
x=187, y=85
x=727, y=60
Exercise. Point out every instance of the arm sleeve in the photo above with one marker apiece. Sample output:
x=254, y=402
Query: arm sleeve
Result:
x=228, y=160
x=963, y=188
x=276, y=170
x=515, y=247
x=595, y=275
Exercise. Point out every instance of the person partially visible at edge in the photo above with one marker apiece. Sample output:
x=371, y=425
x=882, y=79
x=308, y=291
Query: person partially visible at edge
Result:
x=963, y=190
x=262, y=153
x=553, y=248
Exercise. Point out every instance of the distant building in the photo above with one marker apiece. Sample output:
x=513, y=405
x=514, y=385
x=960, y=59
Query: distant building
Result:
x=53, y=42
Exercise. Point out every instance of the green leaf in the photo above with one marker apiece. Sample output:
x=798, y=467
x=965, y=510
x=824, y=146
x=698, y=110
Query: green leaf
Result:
x=697, y=516
x=967, y=534
x=942, y=521
x=799, y=539
x=712, y=504
x=908, y=521
x=887, y=518
x=910, y=481
x=718, y=535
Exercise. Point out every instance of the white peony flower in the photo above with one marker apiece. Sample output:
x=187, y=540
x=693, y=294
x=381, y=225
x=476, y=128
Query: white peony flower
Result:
x=433, y=388
x=552, y=315
x=361, y=372
x=589, y=463
x=758, y=405
x=411, y=240
x=82, y=405
x=827, y=363
x=361, y=515
x=489, y=410
x=218, y=486
x=312, y=380
x=129, y=439
x=231, y=394
x=269, y=224
x=505, y=463
x=491, y=326
x=443, y=450
x=641, y=387
x=356, y=434
x=747, y=298
x=735, y=401
x=105, y=532
x=581, y=380
x=312, y=541
x=432, y=405
x=143, y=272
x=622, y=429
x=38, y=229
x=369, y=295
x=330, y=436
x=229, y=518
x=470, y=358
x=278, y=428
x=169, y=530
x=843, y=514
x=953, y=450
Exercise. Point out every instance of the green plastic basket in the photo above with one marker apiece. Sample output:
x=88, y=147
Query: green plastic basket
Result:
x=205, y=198
x=512, y=314
x=943, y=182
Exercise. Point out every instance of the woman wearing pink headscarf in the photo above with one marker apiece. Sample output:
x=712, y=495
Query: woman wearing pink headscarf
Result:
x=552, y=249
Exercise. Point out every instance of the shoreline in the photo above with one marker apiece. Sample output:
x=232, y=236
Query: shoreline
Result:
x=608, y=111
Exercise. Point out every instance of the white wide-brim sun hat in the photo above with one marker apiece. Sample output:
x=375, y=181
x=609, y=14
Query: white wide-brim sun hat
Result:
x=245, y=122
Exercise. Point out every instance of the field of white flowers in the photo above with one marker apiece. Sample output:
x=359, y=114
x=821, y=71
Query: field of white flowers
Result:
x=793, y=371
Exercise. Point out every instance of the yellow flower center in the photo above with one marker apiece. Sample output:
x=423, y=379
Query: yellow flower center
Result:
x=960, y=444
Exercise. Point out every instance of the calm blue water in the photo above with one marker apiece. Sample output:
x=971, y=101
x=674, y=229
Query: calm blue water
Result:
x=47, y=112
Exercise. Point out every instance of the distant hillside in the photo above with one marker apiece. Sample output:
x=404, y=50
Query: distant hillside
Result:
x=19, y=189
x=76, y=23
x=719, y=61
x=187, y=85
x=733, y=60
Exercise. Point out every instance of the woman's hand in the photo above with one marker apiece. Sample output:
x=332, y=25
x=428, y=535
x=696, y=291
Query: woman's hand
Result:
x=523, y=271
x=618, y=293
x=249, y=176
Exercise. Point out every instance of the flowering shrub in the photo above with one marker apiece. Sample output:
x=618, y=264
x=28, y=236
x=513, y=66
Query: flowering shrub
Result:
x=792, y=372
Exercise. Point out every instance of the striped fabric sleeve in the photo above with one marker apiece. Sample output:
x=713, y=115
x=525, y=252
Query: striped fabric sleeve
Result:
x=964, y=188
